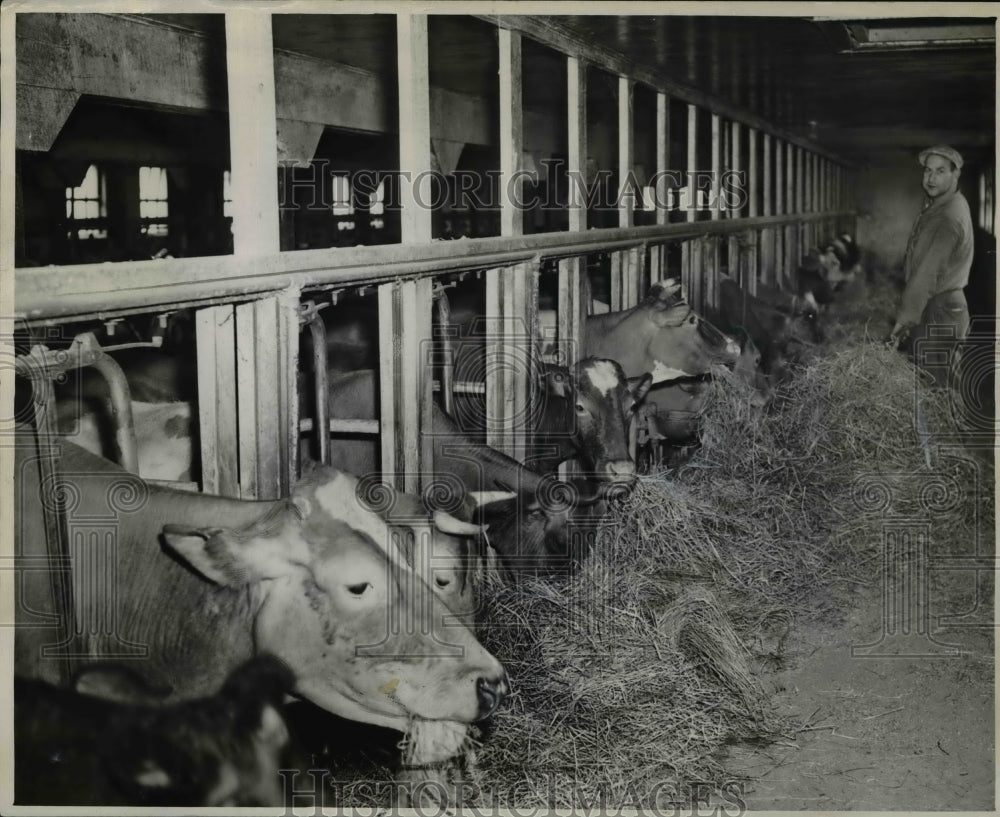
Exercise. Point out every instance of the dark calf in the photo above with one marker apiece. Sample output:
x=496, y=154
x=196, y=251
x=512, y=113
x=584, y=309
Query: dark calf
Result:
x=73, y=749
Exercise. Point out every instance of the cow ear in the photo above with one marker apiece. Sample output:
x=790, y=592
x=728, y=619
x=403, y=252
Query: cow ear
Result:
x=227, y=558
x=639, y=387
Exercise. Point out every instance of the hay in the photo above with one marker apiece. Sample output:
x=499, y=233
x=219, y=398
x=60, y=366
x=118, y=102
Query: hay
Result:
x=436, y=756
x=639, y=668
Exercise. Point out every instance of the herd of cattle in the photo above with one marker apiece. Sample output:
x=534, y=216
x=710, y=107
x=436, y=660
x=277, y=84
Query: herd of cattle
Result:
x=347, y=594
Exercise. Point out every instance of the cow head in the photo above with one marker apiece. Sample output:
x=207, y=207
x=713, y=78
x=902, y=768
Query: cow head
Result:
x=368, y=639
x=749, y=370
x=848, y=255
x=534, y=535
x=681, y=343
x=439, y=547
x=595, y=403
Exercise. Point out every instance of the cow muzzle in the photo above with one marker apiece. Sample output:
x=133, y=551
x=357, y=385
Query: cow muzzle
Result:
x=618, y=472
x=491, y=693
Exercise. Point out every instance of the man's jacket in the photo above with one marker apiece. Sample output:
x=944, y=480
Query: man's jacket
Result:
x=938, y=254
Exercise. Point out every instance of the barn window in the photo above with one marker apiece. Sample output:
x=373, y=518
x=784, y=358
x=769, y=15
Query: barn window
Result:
x=153, y=205
x=376, y=207
x=343, y=204
x=87, y=205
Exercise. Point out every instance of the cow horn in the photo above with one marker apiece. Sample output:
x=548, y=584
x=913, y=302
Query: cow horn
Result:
x=446, y=523
x=481, y=498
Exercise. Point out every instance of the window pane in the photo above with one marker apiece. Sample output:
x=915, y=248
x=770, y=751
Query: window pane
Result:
x=88, y=187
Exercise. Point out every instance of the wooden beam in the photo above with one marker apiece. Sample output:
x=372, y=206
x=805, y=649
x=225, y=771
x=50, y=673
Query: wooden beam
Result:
x=767, y=236
x=414, y=127
x=662, y=154
x=58, y=294
x=576, y=106
x=690, y=270
x=8, y=159
x=405, y=382
x=692, y=161
x=511, y=309
x=572, y=310
x=252, y=132
x=712, y=247
x=511, y=134
x=234, y=343
x=657, y=252
x=626, y=149
x=215, y=335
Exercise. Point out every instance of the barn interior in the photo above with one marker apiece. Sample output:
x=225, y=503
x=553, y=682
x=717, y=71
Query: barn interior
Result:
x=148, y=210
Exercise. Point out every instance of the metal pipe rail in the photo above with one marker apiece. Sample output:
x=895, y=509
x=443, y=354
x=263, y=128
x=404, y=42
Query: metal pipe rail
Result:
x=50, y=295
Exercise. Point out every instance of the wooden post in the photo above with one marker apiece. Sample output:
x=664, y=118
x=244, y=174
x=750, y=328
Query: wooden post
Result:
x=630, y=266
x=768, y=246
x=414, y=127
x=790, y=208
x=626, y=149
x=404, y=307
x=405, y=361
x=511, y=133
x=248, y=354
x=576, y=105
x=713, y=245
x=689, y=271
x=800, y=199
x=572, y=306
x=511, y=309
x=753, y=210
x=658, y=252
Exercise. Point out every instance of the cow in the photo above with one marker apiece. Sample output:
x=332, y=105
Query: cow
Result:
x=774, y=332
x=74, y=749
x=204, y=583
x=662, y=335
x=801, y=310
x=585, y=414
x=824, y=271
x=165, y=447
x=673, y=410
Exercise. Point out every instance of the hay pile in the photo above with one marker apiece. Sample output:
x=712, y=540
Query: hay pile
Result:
x=632, y=674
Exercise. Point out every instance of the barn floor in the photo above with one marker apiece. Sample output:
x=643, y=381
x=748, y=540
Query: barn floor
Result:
x=884, y=733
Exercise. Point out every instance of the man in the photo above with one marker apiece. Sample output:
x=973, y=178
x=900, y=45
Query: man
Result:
x=933, y=316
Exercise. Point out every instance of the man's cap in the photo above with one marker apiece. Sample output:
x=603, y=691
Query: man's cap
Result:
x=943, y=150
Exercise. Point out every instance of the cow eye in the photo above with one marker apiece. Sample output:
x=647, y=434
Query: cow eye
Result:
x=693, y=320
x=441, y=582
x=580, y=408
x=358, y=589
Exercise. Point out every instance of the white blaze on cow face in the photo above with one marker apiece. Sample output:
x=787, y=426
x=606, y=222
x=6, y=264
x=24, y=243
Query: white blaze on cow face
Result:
x=604, y=376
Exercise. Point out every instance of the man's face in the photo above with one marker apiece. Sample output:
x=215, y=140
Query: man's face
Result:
x=939, y=178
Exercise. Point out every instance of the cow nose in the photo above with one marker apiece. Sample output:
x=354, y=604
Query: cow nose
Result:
x=491, y=692
x=620, y=471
